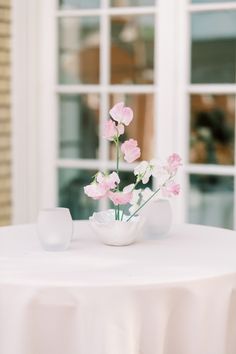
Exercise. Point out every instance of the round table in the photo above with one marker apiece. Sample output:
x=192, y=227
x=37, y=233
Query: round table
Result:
x=173, y=295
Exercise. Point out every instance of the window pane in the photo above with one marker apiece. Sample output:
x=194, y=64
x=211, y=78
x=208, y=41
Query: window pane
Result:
x=79, y=120
x=79, y=4
x=79, y=50
x=71, y=192
x=121, y=3
x=211, y=200
x=142, y=126
x=214, y=47
x=132, y=49
x=127, y=177
x=212, y=129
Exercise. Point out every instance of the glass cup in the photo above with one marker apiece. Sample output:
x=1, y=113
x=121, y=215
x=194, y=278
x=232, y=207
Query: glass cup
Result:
x=55, y=228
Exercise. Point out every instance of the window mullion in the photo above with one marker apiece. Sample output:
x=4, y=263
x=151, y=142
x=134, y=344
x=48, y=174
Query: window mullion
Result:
x=181, y=113
x=104, y=80
x=212, y=7
x=165, y=76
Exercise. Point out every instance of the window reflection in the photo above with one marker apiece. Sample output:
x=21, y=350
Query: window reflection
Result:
x=79, y=4
x=142, y=126
x=71, y=192
x=214, y=47
x=132, y=49
x=211, y=200
x=212, y=129
x=121, y=3
x=79, y=120
x=79, y=50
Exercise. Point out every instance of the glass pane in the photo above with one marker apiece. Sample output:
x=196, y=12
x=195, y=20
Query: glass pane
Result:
x=79, y=50
x=211, y=200
x=212, y=129
x=79, y=4
x=127, y=177
x=207, y=1
x=142, y=126
x=121, y=3
x=71, y=192
x=79, y=121
x=132, y=49
x=214, y=47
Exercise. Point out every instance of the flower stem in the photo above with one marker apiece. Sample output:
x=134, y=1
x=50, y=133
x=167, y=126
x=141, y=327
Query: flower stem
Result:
x=117, y=171
x=154, y=193
x=142, y=205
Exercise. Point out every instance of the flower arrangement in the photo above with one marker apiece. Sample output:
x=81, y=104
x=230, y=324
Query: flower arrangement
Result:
x=107, y=185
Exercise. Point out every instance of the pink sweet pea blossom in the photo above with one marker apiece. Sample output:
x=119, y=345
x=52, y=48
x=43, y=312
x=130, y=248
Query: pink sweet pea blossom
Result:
x=131, y=150
x=121, y=129
x=107, y=185
x=170, y=189
x=121, y=114
x=111, y=130
x=95, y=191
x=174, y=162
x=121, y=198
x=108, y=181
x=102, y=185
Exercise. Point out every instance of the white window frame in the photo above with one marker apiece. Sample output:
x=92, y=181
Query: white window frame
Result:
x=35, y=114
x=218, y=170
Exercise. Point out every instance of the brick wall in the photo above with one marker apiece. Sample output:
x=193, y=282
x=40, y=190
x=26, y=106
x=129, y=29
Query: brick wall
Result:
x=5, y=114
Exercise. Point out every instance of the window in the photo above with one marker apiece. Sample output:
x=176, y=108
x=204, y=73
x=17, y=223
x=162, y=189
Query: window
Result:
x=212, y=89
x=173, y=63
x=107, y=53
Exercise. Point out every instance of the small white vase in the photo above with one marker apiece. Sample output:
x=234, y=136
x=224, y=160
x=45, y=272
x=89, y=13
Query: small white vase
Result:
x=55, y=229
x=116, y=233
x=158, y=215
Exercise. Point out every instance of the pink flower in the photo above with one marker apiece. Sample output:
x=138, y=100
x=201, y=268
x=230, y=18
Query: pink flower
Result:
x=174, y=162
x=108, y=181
x=121, y=198
x=111, y=130
x=170, y=189
x=121, y=114
x=95, y=191
x=131, y=150
x=102, y=185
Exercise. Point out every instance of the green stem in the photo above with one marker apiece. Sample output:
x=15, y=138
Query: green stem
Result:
x=142, y=205
x=117, y=171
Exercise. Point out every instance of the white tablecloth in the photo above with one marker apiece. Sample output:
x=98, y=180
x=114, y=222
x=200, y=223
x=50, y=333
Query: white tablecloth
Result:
x=175, y=295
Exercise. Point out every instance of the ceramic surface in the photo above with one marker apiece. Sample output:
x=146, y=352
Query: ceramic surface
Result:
x=116, y=233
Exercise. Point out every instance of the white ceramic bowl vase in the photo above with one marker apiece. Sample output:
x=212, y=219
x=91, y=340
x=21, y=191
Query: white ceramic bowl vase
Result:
x=116, y=233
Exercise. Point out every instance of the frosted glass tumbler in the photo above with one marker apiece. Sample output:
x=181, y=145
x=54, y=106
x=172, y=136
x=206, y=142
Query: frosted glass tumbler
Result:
x=55, y=229
x=158, y=214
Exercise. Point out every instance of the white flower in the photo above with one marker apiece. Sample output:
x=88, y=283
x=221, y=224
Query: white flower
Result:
x=144, y=171
x=141, y=168
x=135, y=196
x=129, y=188
x=159, y=171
